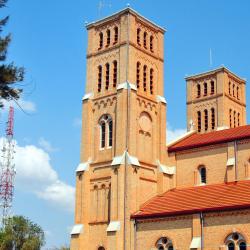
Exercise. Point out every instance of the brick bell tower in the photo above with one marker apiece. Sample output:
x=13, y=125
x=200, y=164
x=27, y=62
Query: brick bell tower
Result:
x=123, y=130
x=216, y=99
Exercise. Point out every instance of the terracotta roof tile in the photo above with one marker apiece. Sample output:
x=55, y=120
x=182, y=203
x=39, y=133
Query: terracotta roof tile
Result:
x=215, y=137
x=217, y=197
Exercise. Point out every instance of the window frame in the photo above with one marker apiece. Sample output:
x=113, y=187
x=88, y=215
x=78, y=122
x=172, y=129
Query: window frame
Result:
x=151, y=79
x=202, y=175
x=100, y=40
x=199, y=123
x=105, y=134
x=151, y=41
x=206, y=120
x=99, y=78
x=138, y=73
x=205, y=89
x=145, y=78
x=115, y=71
x=108, y=41
x=116, y=35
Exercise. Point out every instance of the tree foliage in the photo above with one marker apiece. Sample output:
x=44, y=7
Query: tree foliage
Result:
x=9, y=73
x=20, y=233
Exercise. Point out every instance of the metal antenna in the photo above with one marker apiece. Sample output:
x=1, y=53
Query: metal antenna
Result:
x=7, y=170
x=101, y=6
x=210, y=58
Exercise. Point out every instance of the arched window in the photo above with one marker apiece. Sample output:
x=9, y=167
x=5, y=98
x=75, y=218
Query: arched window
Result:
x=151, y=44
x=99, y=78
x=203, y=175
x=164, y=244
x=238, y=119
x=110, y=126
x=114, y=73
x=100, y=40
x=212, y=118
x=139, y=36
x=145, y=78
x=145, y=39
x=108, y=38
x=243, y=246
x=138, y=69
x=237, y=92
x=107, y=76
x=151, y=80
x=230, y=117
x=101, y=248
x=103, y=133
x=233, y=90
x=115, y=35
x=234, y=119
x=199, y=121
x=229, y=88
x=235, y=241
x=231, y=246
x=205, y=89
x=106, y=131
x=198, y=90
x=206, y=119
x=212, y=87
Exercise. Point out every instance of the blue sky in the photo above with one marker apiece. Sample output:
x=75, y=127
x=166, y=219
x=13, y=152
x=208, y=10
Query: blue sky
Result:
x=49, y=40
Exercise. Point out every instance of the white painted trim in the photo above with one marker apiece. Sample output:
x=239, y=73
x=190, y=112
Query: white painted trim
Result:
x=222, y=128
x=161, y=99
x=132, y=160
x=170, y=170
x=195, y=243
x=83, y=166
x=126, y=85
x=87, y=96
x=231, y=162
x=89, y=25
x=77, y=229
x=118, y=160
x=114, y=226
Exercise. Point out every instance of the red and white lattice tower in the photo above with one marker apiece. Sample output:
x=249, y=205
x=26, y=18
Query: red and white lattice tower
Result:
x=7, y=170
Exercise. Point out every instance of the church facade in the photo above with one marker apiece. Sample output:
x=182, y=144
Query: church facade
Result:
x=133, y=191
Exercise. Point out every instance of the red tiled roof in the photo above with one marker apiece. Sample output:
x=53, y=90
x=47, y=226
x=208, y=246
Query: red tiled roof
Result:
x=217, y=197
x=215, y=137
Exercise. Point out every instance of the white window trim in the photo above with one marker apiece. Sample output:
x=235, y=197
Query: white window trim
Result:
x=106, y=124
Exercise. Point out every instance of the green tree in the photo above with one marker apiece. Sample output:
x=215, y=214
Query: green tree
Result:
x=9, y=73
x=21, y=234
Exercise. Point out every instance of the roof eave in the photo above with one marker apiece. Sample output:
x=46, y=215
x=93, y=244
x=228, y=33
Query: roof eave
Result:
x=118, y=13
x=188, y=212
x=181, y=148
x=222, y=68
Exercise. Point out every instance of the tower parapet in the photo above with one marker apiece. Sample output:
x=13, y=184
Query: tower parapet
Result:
x=216, y=99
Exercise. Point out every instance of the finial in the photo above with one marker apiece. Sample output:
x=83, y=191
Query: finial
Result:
x=128, y=5
x=191, y=125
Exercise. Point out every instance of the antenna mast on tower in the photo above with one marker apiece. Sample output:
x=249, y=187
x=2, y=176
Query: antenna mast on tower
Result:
x=7, y=170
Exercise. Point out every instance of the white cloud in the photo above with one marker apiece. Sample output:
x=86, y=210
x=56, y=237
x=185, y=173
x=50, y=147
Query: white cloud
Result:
x=46, y=145
x=35, y=174
x=59, y=193
x=77, y=122
x=174, y=133
x=27, y=106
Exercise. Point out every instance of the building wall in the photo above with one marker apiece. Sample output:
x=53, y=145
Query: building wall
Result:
x=214, y=158
x=181, y=229
x=229, y=93
x=108, y=193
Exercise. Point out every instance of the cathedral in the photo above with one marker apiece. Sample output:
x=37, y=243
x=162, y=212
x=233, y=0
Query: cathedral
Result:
x=134, y=191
